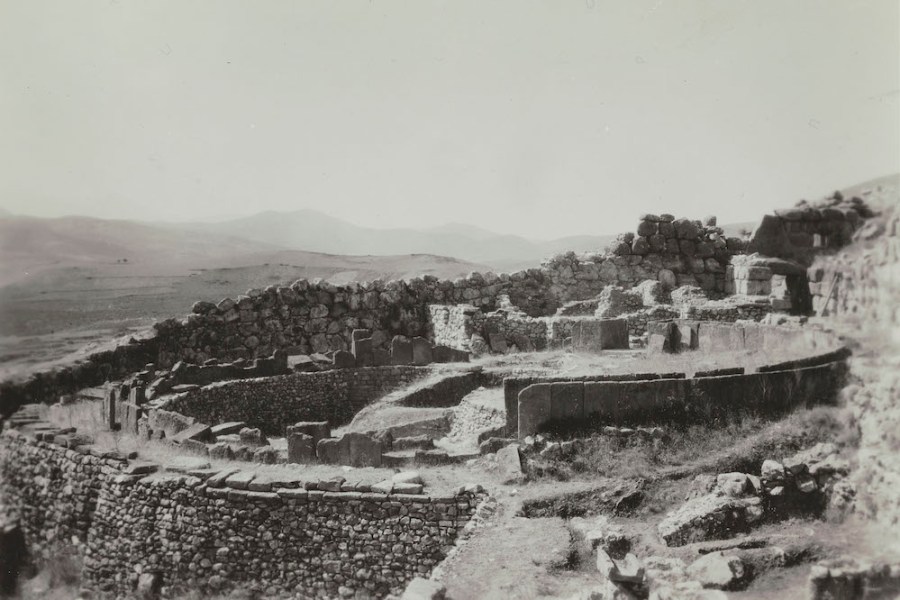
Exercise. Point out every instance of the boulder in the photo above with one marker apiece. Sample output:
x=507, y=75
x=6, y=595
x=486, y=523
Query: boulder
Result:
x=718, y=571
x=710, y=517
x=424, y=589
x=509, y=464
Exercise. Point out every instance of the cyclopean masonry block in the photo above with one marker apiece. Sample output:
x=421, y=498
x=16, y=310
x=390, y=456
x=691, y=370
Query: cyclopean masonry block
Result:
x=534, y=408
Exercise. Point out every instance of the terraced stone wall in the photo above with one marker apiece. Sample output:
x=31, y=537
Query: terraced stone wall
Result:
x=201, y=531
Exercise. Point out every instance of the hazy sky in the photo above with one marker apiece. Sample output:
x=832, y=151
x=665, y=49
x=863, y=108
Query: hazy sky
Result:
x=541, y=118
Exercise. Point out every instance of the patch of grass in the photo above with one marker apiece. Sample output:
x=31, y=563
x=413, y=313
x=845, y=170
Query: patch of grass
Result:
x=699, y=448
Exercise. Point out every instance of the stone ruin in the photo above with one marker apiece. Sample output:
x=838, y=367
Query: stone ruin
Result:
x=287, y=376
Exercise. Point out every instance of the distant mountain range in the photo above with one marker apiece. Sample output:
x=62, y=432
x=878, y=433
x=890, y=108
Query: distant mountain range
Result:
x=314, y=231
x=304, y=237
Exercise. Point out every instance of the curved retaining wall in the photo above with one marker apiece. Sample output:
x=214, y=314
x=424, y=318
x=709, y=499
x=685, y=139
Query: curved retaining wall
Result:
x=274, y=403
x=532, y=403
x=209, y=530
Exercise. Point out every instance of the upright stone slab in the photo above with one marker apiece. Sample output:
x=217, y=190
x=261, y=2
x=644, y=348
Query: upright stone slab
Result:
x=301, y=448
x=401, y=351
x=365, y=451
x=586, y=336
x=717, y=337
x=602, y=401
x=364, y=353
x=136, y=395
x=421, y=349
x=534, y=408
x=614, y=334
x=344, y=360
x=333, y=451
x=130, y=415
x=381, y=357
x=109, y=409
x=687, y=335
x=566, y=401
x=663, y=337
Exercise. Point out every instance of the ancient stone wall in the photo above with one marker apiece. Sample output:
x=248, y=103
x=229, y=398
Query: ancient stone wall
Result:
x=319, y=317
x=211, y=530
x=814, y=376
x=274, y=403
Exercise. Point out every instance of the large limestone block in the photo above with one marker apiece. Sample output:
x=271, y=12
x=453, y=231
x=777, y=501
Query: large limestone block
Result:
x=509, y=464
x=364, y=352
x=318, y=430
x=770, y=239
x=301, y=448
x=365, y=451
x=333, y=451
x=109, y=409
x=602, y=400
x=718, y=571
x=566, y=401
x=401, y=351
x=534, y=408
x=421, y=352
x=200, y=432
x=716, y=337
x=710, y=517
x=614, y=334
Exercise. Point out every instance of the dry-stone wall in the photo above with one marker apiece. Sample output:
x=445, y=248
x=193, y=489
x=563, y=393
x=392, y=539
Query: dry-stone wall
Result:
x=809, y=228
x=320, y=317
x=210, y=530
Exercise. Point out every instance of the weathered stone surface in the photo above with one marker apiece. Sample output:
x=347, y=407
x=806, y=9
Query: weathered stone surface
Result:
x=534, y=408
x=344, y=360
x=318, y=430
x=710, y=517
x=333, y=451
x=566, y=401
x=301, y=448
x=365, y=451
x=509, y=464
x=401, y=351
x=364, y=352
x=227, y=428
x=200, y=432
x=719, y=571
x=421, y=350
x=424, y=589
